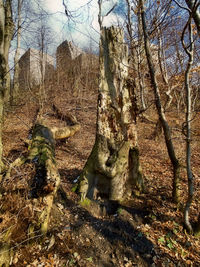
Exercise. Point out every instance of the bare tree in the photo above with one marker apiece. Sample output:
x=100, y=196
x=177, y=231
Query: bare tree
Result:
x=160, y=110
x=6, y=31
x=15, y=89
x=189, y=49
x=9, y=30
x=136, y=48
x=44, y=38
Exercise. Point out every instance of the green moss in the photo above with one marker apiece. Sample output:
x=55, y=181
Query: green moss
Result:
x=43, y=158
x=85, y=202
x=74, y=188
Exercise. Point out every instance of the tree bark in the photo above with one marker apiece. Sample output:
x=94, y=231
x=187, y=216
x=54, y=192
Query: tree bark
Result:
x=161, y=114
x=9, y=29
x=194, y=7
x=6, y=27
x=2, y=74
x=190, y=52
x=45, y=182
x=15, y=90
x=113, y=165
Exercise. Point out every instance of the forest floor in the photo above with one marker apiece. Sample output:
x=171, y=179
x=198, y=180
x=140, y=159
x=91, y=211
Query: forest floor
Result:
x=146, y=230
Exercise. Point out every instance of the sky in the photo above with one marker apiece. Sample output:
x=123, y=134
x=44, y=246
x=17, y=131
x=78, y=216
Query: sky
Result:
x=84, y=29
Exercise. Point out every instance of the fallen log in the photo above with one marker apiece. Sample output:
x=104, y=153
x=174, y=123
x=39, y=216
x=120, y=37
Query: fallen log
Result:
x=69, y=118
x=45, y=182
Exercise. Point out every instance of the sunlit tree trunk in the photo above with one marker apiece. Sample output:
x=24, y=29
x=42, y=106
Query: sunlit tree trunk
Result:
x=136, y=56
x=160, y=110
x=140, y=51
x=2, y=73
x=4, y=44
x=113, y=165
x=17, y=53
x=9, y=29
x=190, y=53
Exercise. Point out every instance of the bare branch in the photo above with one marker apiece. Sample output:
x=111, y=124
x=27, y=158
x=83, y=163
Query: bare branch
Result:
x=181, y=6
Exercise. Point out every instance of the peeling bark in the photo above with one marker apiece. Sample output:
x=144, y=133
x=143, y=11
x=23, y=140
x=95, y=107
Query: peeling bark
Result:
x=113, y=166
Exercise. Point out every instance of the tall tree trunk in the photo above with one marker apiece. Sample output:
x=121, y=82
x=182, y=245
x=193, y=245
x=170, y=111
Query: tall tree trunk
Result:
x=160, y=110
x=15, y=90
x=140, y=50
x=189, y=52
x=9, y=29
x=113, y=165
x=4, y=21
x=136, y=50
x=2, y=74
x=6, y=29
x=133, y=53
x=163, y=70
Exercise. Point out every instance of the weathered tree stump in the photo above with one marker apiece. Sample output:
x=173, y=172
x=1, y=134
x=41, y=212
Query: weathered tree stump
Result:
x=113, y=166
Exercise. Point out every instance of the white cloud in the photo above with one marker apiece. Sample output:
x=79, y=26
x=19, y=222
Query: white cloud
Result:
x=54, y=6
x=85, y=27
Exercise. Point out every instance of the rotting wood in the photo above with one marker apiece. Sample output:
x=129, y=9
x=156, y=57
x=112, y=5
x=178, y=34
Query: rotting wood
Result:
x=67, y=131
x=69, y=118
x=46, y=182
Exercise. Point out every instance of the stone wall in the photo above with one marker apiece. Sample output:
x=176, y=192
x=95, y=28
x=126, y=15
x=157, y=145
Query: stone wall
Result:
x=65, y=54
x=75, y=69
x=32, y=65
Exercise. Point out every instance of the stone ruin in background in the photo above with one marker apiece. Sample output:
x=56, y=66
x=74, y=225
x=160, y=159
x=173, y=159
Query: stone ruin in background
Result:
x=72, y=64
x=66, y=53
x=77, y=66
x=32, y=64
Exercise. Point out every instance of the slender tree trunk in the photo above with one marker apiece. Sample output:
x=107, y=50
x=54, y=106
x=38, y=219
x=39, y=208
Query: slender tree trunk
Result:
x=2, y=74
x=133, y=54
x=163, y=71
x=15, y=90
x=113, y=165
x=188, y=127
x=4, y=39
x=140, y=59
x=161, y=114
x=9, y=29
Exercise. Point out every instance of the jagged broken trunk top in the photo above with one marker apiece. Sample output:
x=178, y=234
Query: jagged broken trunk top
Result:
x=113, y=165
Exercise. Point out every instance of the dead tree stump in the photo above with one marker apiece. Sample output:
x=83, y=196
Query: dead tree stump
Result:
x=113, y=166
